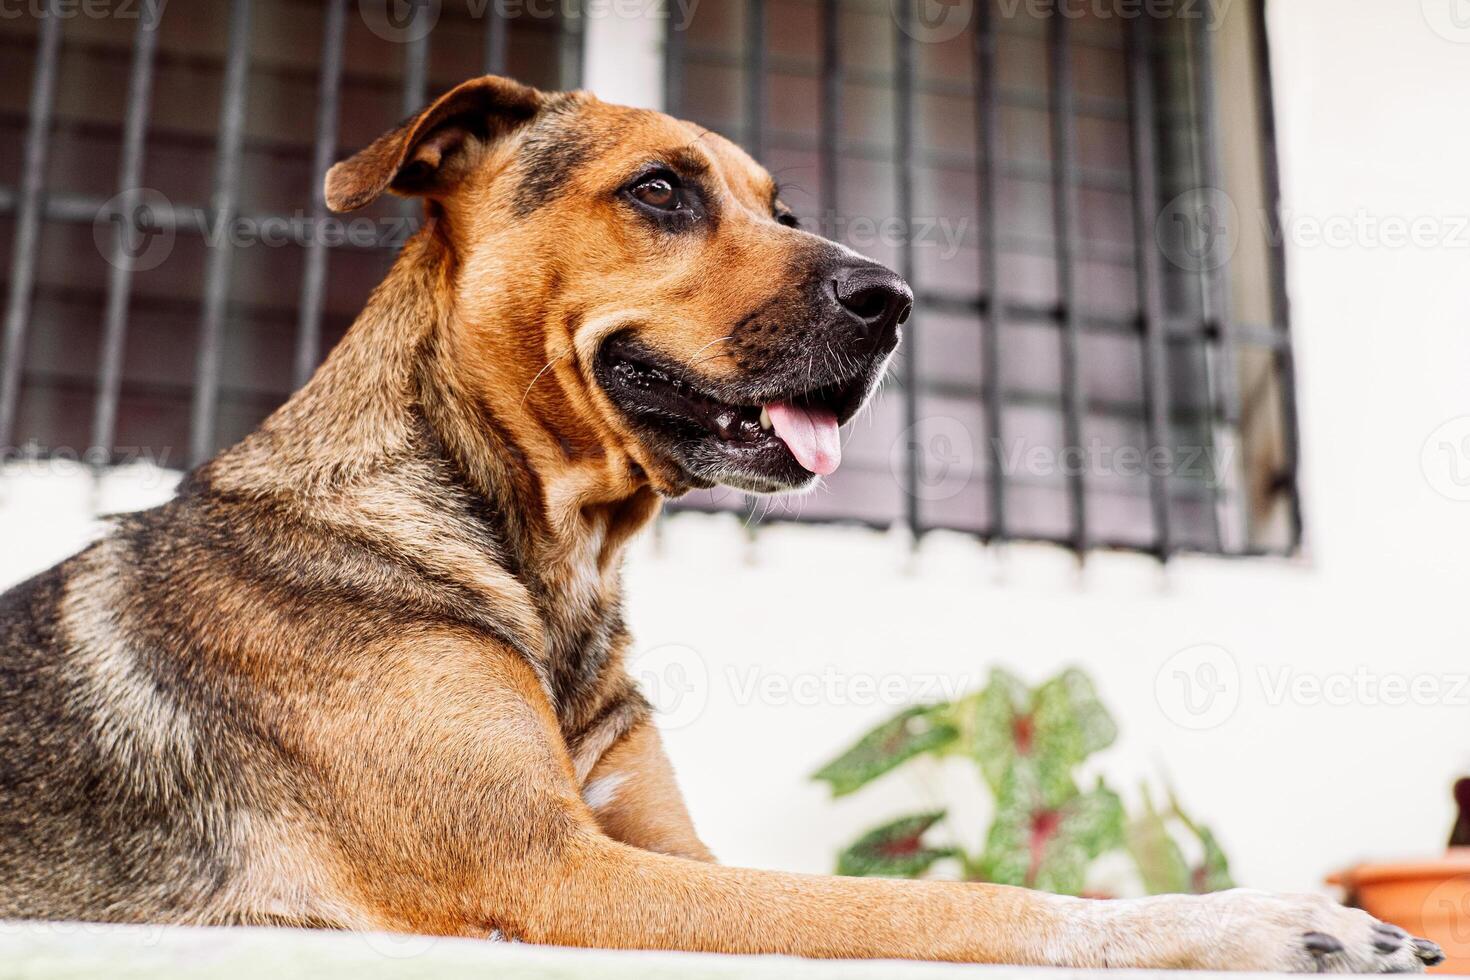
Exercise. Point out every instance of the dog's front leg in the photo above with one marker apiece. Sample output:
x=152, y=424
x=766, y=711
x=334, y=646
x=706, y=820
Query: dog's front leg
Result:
x=635, y=799
x=448, y=803
x=610, y=895
x=605, y=894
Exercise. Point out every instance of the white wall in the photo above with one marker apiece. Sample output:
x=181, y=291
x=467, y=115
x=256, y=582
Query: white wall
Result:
x=1371, y=102
x=624, y=43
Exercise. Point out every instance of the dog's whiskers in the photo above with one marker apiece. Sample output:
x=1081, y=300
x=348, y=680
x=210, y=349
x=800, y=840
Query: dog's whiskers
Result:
x=717, y=340
x=711, y=357
x=539, y=373
x=718, y=353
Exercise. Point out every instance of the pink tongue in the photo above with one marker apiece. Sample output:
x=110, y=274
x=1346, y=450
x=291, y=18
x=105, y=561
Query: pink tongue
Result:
x=810, y=434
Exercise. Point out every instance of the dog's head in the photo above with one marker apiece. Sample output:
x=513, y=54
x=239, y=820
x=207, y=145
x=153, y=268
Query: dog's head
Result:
x=632, y=282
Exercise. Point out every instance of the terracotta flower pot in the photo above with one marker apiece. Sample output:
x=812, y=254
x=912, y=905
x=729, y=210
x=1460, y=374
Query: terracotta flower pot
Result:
x=1428, y=898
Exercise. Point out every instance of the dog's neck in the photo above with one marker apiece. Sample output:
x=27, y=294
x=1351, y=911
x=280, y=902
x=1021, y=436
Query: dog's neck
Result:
x=390, y=410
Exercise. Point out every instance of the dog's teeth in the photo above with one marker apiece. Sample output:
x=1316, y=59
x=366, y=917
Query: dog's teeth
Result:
x=765, y=419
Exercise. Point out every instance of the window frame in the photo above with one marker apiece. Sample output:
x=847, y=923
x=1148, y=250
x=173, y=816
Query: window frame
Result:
x=588, y=38
x=1219, y=331
x=34, y=205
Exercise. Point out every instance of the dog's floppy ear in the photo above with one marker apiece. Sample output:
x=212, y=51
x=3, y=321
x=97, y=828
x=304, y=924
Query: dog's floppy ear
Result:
x=427, y=154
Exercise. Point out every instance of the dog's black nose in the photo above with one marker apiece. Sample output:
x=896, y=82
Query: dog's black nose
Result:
x=877, y=299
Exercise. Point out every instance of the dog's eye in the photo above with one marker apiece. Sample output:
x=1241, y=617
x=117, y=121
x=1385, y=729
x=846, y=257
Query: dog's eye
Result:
x=662, y=196
x=658, y=192
x=788, y=219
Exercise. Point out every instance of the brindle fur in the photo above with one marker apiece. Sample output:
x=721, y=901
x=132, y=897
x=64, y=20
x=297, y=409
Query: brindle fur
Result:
x=360, y=671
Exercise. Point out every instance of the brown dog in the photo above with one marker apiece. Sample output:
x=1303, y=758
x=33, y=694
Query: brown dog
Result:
x=365, y=671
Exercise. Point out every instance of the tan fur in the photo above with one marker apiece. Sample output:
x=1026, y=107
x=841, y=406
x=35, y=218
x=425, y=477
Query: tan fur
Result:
x=367, y=670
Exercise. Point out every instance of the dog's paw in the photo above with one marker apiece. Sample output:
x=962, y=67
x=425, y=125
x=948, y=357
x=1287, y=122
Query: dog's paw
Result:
x=1306, y=934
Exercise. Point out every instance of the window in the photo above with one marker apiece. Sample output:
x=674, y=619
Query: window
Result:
x=222, y=115
x=1083, y=193
x=1083, y=196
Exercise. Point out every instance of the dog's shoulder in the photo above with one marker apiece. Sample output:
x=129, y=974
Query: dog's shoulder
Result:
x=30, y=646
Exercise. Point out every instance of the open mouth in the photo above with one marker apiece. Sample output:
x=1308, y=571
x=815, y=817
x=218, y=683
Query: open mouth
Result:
x=758, y=435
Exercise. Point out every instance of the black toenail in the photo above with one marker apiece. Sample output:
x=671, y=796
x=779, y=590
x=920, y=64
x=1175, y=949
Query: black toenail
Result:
x=1429, y=953
x=1390, y=929
x=1320, y=944
x=1387, y=944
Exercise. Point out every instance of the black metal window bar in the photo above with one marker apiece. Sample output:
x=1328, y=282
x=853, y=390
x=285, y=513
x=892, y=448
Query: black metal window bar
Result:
x=1091, y=135
x=103, y=343
x=1194, y=373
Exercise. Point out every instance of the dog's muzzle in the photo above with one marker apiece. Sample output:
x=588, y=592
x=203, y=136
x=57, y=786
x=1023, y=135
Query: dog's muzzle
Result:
x=813, y=359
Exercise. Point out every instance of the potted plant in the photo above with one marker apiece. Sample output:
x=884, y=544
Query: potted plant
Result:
x=1430, y=898
x=1047, y=830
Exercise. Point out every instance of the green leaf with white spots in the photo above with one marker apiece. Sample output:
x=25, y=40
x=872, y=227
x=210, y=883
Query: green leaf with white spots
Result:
x=1160, y=861
x=1068, y=724
x=992, y=717
x=1085, y=827
x=1046, y=833
x=912, y=732
x=1050, y=848
x=1213, y=872
x=1006, y=859
x=894, y=850
x=1050, y=730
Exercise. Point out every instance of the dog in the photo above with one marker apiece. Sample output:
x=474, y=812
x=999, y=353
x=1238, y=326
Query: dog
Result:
x=366, y=669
